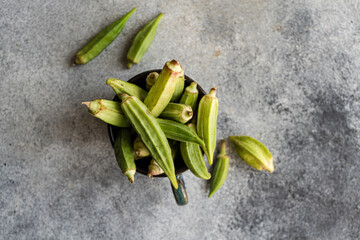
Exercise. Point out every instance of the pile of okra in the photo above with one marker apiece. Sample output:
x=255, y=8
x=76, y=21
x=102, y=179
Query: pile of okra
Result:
x=168, y=120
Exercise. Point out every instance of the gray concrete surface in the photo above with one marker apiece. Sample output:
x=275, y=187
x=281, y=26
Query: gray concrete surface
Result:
x=287, y=74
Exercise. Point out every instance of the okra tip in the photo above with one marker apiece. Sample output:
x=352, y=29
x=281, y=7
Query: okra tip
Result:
x=212, y=92
x=129, y=65
x=174, y=66
x=86, y=103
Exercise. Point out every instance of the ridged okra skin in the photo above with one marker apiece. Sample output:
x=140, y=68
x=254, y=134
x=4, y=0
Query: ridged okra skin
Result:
x=108, y=111
x=221, y=169
x=151, y=134
x=142, y=41
x=190, y=96
x=102, y=40
x=178, y=112
x=193, y=158
x=120, y=86
x=253, y=152
x=160, y=94
x=124, y=153
x=206, y=122
x=179, y=89
x=111, y=113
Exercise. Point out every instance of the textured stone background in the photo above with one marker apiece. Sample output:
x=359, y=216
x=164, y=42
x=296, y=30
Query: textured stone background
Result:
x=287, y=72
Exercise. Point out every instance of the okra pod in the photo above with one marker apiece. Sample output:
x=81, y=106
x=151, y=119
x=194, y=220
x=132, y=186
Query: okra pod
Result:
x=179, y=89
x=190, y=96
x=253, y=152
x=111, y=113
x=151, y=134
x=142, y=41
x=154, y=168
x=140, y=149
x=124, y=153
x=102, y=40
x=193, y=158
x=151, y=79
x=131, y=89
x=179, y=132
x=206, y=122
x=108, y=111
x=221, y=169
x=160, y=94
x=177, y=112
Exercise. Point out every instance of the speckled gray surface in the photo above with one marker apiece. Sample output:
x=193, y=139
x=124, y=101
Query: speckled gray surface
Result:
x=287, y=72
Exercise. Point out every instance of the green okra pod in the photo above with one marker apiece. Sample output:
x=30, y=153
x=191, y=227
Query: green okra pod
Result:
x=221, y=169
x=193, y=158
x=253, y=152
x=160, y=94
x=154, y=169
x=131, y=89
x=140, y=149
x=108, y=111
x=102, y=40
x=151, y=134
x=190, y=96
x=179, y=89
x=111, y=113
x=142, y=41
x=206, y=122
x=177, y=112
x=151, y=79
x=124, y=153
x=179, y=132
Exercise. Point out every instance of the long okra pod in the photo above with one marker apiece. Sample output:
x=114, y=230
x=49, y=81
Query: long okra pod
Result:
x=111, y=113
x=160, y=94
x=177, y=112
x=142, y=41
x=206, y=122
x=124, y=153
x=101, y=40
x=190, y=96
x=193, y=158
x=120, y=86
x=108, y=111
x=221, y=169
x=150, y=132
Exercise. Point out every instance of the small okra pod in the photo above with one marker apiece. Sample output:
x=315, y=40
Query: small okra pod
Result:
x=102, y=40
x=140, y=149
x=193, y=158
x=179, y=89
x=154, y=169
x=151, y=134
x=151, y=79
x=177, y=112
x=190, y=96
x=253, y=152
x=206, y=122
x=142, y=41
x=124, y=153
x=108, y=111
x=160, y=94
x=131, y=89
x=221, y=169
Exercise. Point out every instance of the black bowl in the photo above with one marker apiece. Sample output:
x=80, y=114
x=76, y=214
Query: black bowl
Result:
x=142, y=164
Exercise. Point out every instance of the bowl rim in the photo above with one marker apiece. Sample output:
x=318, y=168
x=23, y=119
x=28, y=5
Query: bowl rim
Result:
x=134, y=79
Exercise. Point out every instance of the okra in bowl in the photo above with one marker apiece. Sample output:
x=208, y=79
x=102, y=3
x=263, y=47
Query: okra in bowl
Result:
x=143, y=164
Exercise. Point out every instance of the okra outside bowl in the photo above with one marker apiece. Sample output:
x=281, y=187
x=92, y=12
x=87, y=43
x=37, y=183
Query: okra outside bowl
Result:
x=142, y=165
